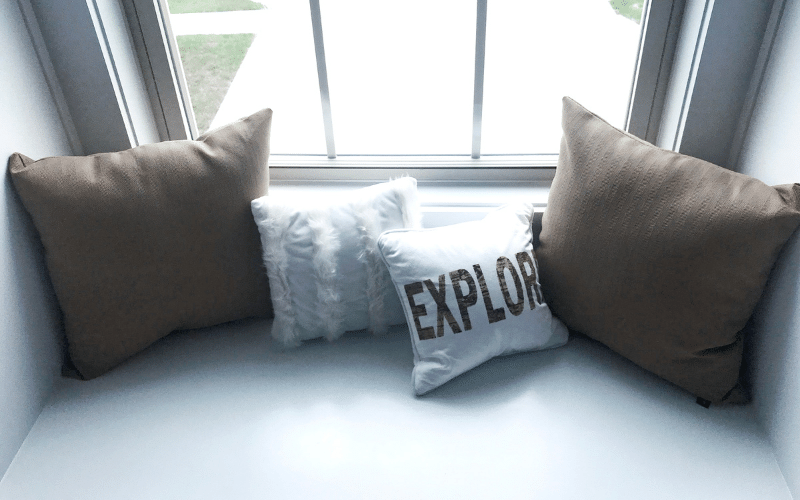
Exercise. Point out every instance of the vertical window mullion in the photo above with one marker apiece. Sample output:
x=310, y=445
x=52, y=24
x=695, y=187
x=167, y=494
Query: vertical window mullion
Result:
x=322, y=72
x=480, y=57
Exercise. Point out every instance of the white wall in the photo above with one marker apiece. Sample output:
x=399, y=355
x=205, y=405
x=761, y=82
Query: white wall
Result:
x=30, y=352
x=770, y=152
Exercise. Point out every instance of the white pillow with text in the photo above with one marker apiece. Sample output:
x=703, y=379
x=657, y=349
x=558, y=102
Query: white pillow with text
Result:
x=470, y=292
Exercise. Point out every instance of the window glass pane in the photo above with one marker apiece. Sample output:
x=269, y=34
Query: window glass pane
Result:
x=400, y=75
x=276, y=69
x=537, y=52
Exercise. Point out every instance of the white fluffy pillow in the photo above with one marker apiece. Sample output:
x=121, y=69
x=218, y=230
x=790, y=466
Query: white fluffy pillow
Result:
x=470, y=292
x=325, y=274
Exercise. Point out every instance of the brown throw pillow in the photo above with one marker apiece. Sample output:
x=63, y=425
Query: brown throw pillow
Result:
x=660, y=256
x=153, y=239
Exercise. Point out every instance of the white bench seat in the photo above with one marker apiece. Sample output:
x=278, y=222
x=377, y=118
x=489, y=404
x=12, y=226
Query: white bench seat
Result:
x=224, y=412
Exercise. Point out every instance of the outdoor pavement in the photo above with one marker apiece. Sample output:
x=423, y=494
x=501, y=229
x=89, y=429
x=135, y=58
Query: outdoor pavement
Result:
x=237, y=103
x=278, y=71
x=219, y=23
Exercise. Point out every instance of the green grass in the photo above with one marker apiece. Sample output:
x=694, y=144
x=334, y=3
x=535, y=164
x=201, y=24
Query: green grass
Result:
x=186, y=6
x=210, y=62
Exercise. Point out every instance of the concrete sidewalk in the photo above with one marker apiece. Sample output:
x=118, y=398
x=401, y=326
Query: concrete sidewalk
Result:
x=278, y=71
x=246, y=97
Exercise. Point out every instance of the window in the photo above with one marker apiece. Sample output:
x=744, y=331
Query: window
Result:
x=112, y=70
x=427, y=77
x=102, y=35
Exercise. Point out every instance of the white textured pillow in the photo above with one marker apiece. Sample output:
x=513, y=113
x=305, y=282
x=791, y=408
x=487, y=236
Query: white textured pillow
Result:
x=470, y=292
x=324, y=271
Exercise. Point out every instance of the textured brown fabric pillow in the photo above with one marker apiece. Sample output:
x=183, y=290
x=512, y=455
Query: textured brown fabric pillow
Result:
x=150, y=240
x=658, y=255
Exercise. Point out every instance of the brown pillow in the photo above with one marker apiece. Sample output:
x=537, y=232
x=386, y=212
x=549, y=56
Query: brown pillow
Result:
x=153, y=239
x=660, y=256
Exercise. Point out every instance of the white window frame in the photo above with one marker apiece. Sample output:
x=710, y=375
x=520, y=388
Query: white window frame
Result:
x=684, y=95
x=535, y=168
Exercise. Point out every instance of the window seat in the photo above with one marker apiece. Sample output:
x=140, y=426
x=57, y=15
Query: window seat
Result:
x=224, y=412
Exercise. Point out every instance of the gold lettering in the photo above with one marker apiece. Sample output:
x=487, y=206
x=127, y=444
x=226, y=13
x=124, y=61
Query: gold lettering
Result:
x=494, y=315
x=464, y=301
x=418, y=310
x=514, y=308
x=531, y=283
x=442, y=311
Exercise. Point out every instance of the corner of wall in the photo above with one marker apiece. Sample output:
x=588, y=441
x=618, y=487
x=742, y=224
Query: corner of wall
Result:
x=30, y=350
x=769, y=153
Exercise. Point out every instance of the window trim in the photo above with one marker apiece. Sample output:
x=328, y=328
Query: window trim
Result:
x=149, y=33
x=480, y=64
x=527, y=168
x=162, y=71
x=488, y=168
x=661, y=22
x=322, y=75
x=705, y=97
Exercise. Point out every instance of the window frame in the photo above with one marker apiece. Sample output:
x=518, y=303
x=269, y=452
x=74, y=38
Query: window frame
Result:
x=471, y=166
x=685, y=94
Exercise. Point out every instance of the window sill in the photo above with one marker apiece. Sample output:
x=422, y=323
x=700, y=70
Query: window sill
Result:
x=448, y=168
x=443, y=202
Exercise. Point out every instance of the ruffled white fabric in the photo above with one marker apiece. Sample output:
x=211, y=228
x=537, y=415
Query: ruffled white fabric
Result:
x=326, y=275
